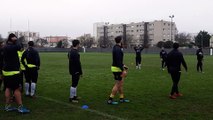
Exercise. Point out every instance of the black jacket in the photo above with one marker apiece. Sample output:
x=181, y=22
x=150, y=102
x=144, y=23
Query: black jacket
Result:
x=174, y=61
x=32, y=57
x=10, y=57
x=1, y=58
x=138, y=51
x=117, y=57
x=163, y=54
x=74, y=62
x=199, y=54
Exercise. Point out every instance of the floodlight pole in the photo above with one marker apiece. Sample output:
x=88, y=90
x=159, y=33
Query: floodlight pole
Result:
x=171, y=17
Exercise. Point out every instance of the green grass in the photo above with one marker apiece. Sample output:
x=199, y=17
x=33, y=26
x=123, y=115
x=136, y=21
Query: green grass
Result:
x=148, y=90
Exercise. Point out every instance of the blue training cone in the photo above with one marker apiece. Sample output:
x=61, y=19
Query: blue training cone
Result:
x=85, y=107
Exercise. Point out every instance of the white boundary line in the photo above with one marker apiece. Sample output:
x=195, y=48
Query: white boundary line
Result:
x=77, y=107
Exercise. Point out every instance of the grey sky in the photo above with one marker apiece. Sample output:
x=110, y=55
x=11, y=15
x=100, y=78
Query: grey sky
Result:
x=76, y=17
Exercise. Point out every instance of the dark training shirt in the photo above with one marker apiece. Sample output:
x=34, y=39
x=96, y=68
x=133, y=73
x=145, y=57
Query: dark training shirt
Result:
x=10, y=57
x=199, y=54
x=1, y=58
x=32, y=57
x=163, y=54
x=117, y=57
x=174, y=61
x=138, y=51
x=74, y=62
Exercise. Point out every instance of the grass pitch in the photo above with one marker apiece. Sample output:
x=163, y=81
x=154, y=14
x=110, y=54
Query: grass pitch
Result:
x=148, y=89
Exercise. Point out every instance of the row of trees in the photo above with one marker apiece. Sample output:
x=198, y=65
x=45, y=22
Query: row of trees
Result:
x=62, y=44
x=185, y=40
x=202, y=39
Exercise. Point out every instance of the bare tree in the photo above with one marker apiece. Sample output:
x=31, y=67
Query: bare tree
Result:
x=87, y=41
x=183, y=39
x=41, y=42
x=104, y=43
x=23, y=40
x=65, y=43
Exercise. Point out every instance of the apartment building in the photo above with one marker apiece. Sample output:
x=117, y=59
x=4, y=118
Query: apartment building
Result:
x=139, y=33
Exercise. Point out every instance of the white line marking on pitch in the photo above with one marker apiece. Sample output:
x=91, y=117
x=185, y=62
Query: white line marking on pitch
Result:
x=90, y=110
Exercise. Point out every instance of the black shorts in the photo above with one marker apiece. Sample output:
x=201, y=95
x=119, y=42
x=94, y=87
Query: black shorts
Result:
x=75, y=80
x=1, y=76
x=12, y=82
x=117, y=76
x=31, y=75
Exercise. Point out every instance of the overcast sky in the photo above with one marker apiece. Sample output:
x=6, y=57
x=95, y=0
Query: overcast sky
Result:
x=76, y=17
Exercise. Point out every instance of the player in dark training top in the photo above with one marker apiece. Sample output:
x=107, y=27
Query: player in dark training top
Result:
x=138, y=49
x=119, y=71
x=1, y=63
x=174, y=61
x=31, y=61
x=200, y=56
x=163, y=56
x=75, y=70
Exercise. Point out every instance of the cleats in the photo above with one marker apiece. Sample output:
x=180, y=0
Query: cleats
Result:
x=124, y=101
x=172, y=97
x=9, y=108
x=23, y=110
x=111, y=102
x=178, y=95
x=33, y=97
x=74, y=100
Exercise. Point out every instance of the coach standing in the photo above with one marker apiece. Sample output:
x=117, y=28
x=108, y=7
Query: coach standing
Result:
x=174, y=61
x=11, y=73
